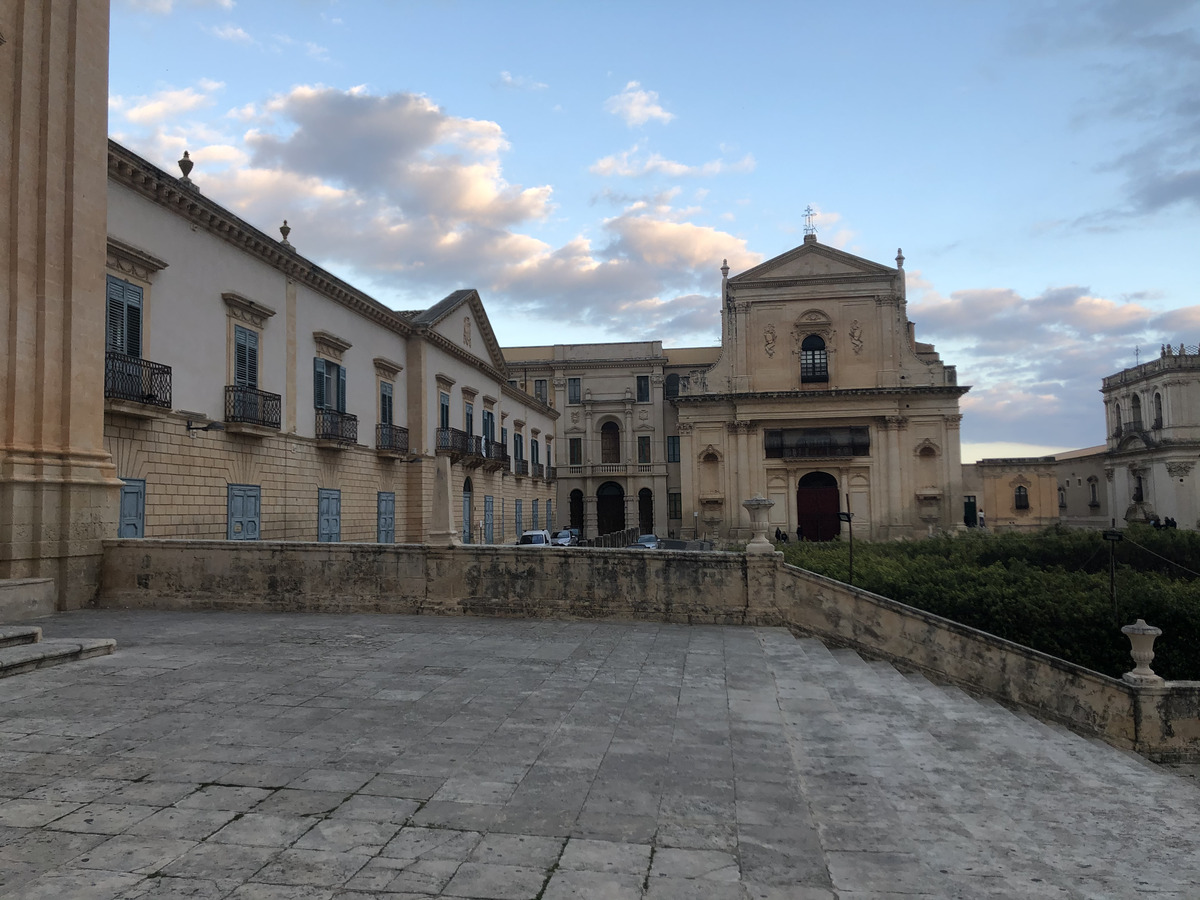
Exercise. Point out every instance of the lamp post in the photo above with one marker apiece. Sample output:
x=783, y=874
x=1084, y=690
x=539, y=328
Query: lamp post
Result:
x=1113, y=536
x=848, y=518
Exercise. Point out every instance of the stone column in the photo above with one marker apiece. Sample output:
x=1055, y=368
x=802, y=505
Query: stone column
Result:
x=59, y=493
x=688, y=501
x=442, y=532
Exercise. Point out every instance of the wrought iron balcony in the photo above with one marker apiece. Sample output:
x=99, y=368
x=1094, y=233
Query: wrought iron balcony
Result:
x=136, y=380
x=495, y=454
x=252, y=406
x=539, y=471
x=521, y=466
x=338, y=427
x=391, y=438
x=452, y=441
x=551, y=473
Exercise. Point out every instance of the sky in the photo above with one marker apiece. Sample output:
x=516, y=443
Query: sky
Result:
x=587, y=167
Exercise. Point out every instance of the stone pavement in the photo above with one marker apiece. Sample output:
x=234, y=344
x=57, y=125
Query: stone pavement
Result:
x=297, y=757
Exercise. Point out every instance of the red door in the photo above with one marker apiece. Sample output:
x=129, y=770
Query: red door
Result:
x=817, y=507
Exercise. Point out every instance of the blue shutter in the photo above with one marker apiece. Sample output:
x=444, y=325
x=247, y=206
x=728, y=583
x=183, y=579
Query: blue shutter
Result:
x=319, y=383
x=114, y=332
x=341, y=388
x=245, y=363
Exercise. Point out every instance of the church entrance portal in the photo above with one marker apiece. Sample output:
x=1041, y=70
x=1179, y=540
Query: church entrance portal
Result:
x=817, y=507
x=610, y=508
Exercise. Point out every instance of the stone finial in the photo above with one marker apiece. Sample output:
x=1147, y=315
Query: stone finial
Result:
x=185, y=166
x=725, y=268
x=1141, y=636
x=285, y=230
x=758, y=507
x=899, y=258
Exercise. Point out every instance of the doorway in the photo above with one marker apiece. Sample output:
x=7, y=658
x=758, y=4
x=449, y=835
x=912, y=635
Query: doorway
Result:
x=817, y=507
x=610, y=508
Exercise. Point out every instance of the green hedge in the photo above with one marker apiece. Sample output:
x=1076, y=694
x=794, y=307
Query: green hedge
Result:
x=1048, y=590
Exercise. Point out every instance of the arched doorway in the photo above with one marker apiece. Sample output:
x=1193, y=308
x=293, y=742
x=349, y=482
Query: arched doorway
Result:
x=646, y=511
x=610, y=443
x=817, y=507
x=610, y=508
x=466, y=512
x=576, y=505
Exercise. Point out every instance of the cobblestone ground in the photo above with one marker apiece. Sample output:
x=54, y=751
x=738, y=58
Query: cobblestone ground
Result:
x=294, y=757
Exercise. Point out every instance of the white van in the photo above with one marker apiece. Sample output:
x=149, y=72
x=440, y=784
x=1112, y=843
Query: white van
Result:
x=540, y=538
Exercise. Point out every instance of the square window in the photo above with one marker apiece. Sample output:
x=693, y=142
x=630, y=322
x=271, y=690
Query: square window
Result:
x=643, y=443
x=540, y=390
x=575, y=451
x=674, y=506
x=673, y=448
x=574, y=390
x=643, y=389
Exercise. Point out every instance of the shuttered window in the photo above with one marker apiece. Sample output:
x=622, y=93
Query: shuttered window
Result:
x=245, y=357
x=329, y=385
x=123, y=329
x=385, y=403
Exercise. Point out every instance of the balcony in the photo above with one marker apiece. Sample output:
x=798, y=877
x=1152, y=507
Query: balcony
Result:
x=539, y=470
x=391, y=441
x=251, y=411
x=551, y=473
x=460, y=446
x=135, y=386
x=336, y=430
x=521, y=466
x=495, y=455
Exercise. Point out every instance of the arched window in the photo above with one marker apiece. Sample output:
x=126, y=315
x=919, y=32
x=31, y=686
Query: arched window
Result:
x=1062, y=498
x=1116, y=419
x=814, y=360
x=671, y=387
x=610, y=442
x=1158, y=417
x=1021, y=497
x=1093, y=491
x=1135, y=411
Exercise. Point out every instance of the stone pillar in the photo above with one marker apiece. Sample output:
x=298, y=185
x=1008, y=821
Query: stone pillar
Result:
x=688, y=501
x=442, y=532
x=590, y=523
x=59, y=494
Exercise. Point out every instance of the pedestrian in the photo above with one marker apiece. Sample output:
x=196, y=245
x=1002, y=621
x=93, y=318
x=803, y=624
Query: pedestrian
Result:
x=778, y=535
x=799, y=532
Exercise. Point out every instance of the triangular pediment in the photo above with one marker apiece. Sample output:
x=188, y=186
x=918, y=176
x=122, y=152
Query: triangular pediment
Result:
x=812, y=260
x=461, y=320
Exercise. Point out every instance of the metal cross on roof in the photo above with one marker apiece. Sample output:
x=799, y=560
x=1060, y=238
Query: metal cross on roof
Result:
x=809, y=214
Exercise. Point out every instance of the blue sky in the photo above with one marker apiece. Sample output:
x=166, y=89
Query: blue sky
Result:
x=587, y=167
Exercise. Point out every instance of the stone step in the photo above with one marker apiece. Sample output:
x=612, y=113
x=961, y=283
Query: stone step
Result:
x=22, y=599
x=15, y=635
x=22, y=658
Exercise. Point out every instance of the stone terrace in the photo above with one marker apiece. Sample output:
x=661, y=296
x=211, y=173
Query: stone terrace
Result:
x=227, y=755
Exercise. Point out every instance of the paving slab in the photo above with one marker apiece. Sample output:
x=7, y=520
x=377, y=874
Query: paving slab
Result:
x=247, y=756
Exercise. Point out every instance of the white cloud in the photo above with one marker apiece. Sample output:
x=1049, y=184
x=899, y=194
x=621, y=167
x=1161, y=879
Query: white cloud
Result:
x=231, y=33
x=165, y=104
x=636, y=106
x=163, y=7
x=632, y=163
x=520, y=82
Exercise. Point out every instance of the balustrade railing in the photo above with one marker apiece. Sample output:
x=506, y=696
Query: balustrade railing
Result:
x=337, y=426
x=391, y=437
x=252, y=406
x=521, y=466
x=135, y=379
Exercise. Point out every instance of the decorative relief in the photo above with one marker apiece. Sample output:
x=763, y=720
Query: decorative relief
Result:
x=656, y=378
x=954, y=420
x=466, y=331
x=574, y=417
x=1179, y=469
x=927, y=444
x=1108, y=473
x=385, y=368
x=684, y=427
x=896, y=422
x=246, y=310
x=643, y=414
x=856, y=337
x=129, y=260
x=769, y=336
x=330, y=345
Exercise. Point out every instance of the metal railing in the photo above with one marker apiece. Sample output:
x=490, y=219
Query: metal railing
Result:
x=521, y=466
x=136, y=379
x=452, y=440
x=337, y=426
x=391, y=437
x=495, y=450
x=252, y=406
x=551, y=473
x=539, y=470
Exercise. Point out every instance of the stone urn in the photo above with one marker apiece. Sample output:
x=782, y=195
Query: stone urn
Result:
x=758, y=506
x=1141, y=636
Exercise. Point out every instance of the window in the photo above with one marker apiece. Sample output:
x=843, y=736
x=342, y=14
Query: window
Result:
x=787, y=443
x=329, y=385
x=575, y=451
x=534, y=457
x=674, y=506
x=512, y=382
x=245, y=357
x=469, y=418
x=1158, y=417
x=535, y=515
x=1021, y=498
x=610, y=442
x=1135, y=411
x=671, y=388
x=574, y=391
x=386, y=415
x=539, y=389
x=1062, y=498
x=814, y=360
x=643, y=448
x=443, y=410
x=672, y=448
x=123, y=329
x=518, y=447
x=1093, y=492
x=489, y=426
x=504, y=436
x=1117, y=419
x=643, y=389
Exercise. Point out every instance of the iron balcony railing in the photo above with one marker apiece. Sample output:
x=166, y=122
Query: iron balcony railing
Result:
x=453, y=440
x=252, y=406
x=337, y=426
x=539, y=471
x=136, y=379
x=551, y=473
x=521, y=466
x=495, y=450
x=391, y=437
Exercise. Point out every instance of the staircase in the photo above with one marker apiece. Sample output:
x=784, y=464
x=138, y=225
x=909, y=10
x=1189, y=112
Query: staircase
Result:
x=23, y=650
x=956, y=795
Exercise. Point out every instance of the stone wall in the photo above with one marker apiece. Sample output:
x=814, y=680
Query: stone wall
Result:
x=664, y=586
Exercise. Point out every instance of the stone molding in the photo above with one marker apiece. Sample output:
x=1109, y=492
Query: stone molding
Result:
x=246, y=310
x=330, y=345
x=386, y=368
x=129, y=260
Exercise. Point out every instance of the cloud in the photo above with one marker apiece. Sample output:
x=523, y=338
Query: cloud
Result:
x=1037, y=362
x=231, y=33
x=165, y=104
x=636, y=106
x=632, y=164
x=520, y=82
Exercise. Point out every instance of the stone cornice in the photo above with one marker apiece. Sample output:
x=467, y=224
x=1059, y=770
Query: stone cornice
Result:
x=130, y=260
x=331, y=345
x=131, y=171
x=387, y=368
x=934, y=390
x=246, y=309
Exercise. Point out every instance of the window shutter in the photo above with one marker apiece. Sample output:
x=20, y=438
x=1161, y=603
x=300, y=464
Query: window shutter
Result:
x=385, y=403
x=114, y=337
x=341, y=388
x=133, y=326
x=251, y=359
x=319, y=383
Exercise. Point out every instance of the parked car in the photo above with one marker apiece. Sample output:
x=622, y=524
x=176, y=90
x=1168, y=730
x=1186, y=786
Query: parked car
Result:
x=636, y=546
x=649, y=541
x=564, y=539
x=539, y=538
